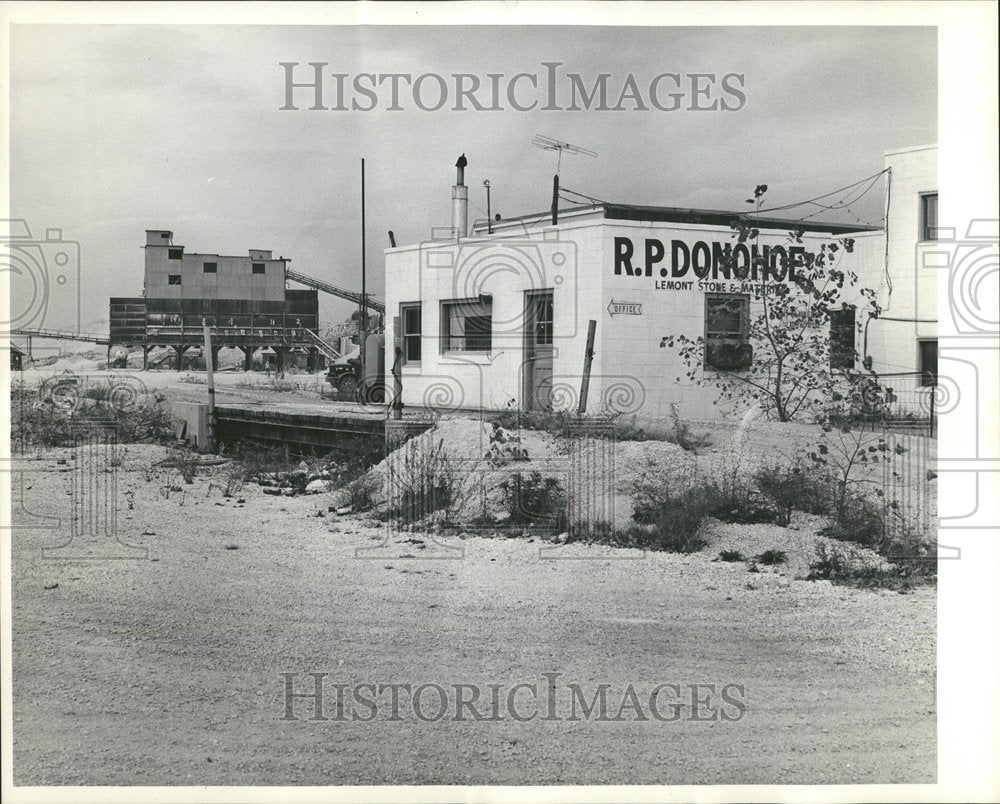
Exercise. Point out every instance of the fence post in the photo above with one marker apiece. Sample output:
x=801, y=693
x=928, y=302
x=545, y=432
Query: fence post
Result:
x=211, y=387
x=588, y=359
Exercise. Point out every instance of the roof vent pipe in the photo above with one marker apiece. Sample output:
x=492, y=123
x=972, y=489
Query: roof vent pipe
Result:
x=460, y=201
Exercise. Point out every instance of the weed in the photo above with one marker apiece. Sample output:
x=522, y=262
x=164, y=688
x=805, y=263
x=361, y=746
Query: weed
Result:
x=672, y=535
x=771, y=558
x=41, y=422
x=116, y=456
x=684, y=436
x=846, y=565
x=260, y=459
x=859, y=520
x=278, y=384
x=186, y=464
x=534, y=500
x=364, y=493
x=729, y=503
x=731, y=556
x=914, y=553
x=234, y=478
x=422, y=481
x=794, y=489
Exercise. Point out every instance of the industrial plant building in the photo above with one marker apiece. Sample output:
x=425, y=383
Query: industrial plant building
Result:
x=498, y=315
x=243, y=299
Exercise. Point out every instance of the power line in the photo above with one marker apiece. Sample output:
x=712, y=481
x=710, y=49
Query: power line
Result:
x=826, y=195
x=841, y=204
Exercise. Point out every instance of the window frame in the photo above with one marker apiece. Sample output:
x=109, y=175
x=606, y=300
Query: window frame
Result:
x=175, y=253
x=927, y=379
x=445, y=326
x=214, y=269
x=845, y=362
x=255, y=265
x=405, y=336
x=744, y=299
x=546, y=303
x=172, y=277
x=927, y=233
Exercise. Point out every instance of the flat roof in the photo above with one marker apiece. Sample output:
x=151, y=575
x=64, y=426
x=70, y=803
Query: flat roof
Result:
x=711, y=217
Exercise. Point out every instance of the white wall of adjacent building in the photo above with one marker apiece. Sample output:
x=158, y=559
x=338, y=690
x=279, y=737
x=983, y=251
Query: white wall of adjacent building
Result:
x=908, y=292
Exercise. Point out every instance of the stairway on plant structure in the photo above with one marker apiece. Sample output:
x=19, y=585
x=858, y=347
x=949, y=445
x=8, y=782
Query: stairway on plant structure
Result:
x=326, y=348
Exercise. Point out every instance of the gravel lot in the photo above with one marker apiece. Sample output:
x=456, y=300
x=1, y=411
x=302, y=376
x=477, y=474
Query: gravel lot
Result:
x=167, y=670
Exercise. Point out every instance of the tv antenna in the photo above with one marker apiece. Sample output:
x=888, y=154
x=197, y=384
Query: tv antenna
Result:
x=549, y=144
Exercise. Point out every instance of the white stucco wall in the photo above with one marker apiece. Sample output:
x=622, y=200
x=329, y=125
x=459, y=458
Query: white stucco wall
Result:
x=910, y=291
x=634, y=341
x=576, y=259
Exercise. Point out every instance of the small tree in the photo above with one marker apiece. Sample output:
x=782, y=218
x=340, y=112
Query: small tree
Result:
x=788, y=328
x=849, y=454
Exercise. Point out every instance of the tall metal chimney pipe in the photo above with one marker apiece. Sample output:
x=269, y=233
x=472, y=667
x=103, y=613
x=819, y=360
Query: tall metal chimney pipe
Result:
x=460, y=201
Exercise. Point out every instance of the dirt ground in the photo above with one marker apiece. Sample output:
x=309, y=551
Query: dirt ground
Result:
x=167, y=669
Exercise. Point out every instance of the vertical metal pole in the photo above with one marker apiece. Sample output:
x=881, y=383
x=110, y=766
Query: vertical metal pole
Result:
x=397, y=386
x=932, y=411
x=211, y=387
x=588, y=359
x=555, y=199
x=364, y=291
x=489, y=212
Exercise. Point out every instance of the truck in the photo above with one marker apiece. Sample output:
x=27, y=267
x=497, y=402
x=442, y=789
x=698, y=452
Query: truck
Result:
x=345, y=374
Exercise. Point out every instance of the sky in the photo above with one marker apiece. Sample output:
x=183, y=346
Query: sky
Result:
x=116, y=129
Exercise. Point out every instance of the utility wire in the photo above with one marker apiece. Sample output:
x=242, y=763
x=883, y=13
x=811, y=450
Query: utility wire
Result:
x=841, y=204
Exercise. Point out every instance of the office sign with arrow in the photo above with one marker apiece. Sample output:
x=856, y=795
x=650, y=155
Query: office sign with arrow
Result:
x=624, y=308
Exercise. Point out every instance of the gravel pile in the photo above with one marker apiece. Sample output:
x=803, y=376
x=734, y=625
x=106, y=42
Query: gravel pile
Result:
x=600, y=477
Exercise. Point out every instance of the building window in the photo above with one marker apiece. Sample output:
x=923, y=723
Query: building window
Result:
x=842, y=331
x=258, y=267
x=543, y=320
x=411, y=328
x=173, y=279
x=467, y=326
x=928, y=362
x=211, y=267
x=726, y=320
x=175, y=253
x=928, y=216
